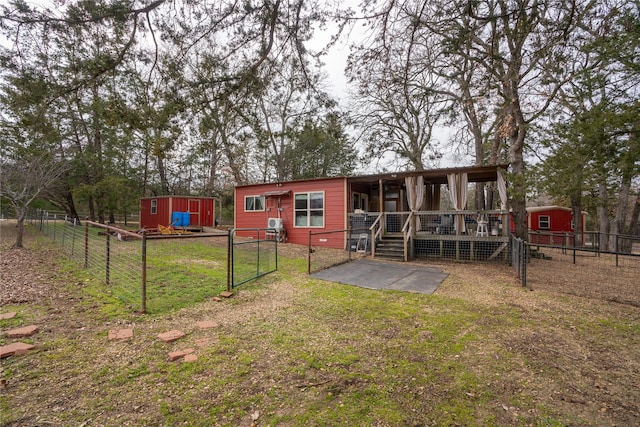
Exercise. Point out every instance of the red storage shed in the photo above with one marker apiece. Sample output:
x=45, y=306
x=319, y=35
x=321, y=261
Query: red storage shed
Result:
x=549, y=224
x=181, y=211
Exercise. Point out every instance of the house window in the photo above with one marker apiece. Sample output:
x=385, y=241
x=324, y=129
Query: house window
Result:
x=253, y=203
x=154, y=206
x=364, y=202
x=309, y=209
x=360, y=201
x=544, y=222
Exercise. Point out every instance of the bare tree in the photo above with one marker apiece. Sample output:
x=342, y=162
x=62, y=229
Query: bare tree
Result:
x=399, y=99
x=23, y=180
x=517, y=46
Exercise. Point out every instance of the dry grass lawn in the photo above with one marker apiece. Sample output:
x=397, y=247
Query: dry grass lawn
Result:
x=293, y=351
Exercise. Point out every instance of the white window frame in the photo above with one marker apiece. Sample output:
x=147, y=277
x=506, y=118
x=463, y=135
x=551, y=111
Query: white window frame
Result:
x=547, y=219
x=362, y=202
x=154, y=206
x=254, y=197
x=308, y=210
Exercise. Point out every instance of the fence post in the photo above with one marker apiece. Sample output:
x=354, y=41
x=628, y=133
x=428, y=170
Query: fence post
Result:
x=525, y=258
x=617, y=237
x=258, y=254
x=108, y=255
x=309, y=255
x=73, y=237
x=86, y=242
x=229, y=260
x=55, y=222
x=64, y=228
x=144, y=271
x=574, y=248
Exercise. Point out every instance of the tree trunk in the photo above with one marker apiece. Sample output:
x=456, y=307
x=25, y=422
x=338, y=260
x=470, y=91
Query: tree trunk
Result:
x=21, y=213
x=92, y=208
x=620, y=219
x=634, y=224
x=162, y=172
x=603, y=216
x=515, y=126
x=576, y=212
x=71, y=207
x=213, y=168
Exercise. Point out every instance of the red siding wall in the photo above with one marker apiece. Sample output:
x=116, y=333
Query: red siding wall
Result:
x=560, y=220
x=559, y=224
x=201, y=209
x=334, y=210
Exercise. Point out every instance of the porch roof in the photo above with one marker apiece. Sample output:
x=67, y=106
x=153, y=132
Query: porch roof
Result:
x=436, y=176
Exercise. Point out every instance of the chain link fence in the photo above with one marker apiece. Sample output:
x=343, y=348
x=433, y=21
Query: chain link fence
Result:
x=148, y=273
x=592, y=265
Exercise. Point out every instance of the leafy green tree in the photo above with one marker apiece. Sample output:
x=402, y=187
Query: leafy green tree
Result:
x=321, y=149
x=594, y=151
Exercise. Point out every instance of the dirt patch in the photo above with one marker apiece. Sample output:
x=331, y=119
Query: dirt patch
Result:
x=26, y=275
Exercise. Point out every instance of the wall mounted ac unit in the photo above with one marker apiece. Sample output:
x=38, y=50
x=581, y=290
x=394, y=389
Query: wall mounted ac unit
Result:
x=274, y=223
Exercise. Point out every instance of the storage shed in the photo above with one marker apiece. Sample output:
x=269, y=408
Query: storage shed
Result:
x=186, y=212
x=549, y=224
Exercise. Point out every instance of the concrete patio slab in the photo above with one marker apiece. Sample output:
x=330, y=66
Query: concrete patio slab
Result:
x=373, y=274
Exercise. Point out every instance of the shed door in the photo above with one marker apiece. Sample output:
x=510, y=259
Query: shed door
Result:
x=194, y=211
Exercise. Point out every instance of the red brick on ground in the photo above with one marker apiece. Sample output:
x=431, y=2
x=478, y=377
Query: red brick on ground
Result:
x=120, y=334
x=217, y=299
x=25, y=331
x=206, y=324
x=190, y=358
x=171, y=335
x=226, y=294
x=202, y=342
x=9, y=315
x=175, y=355
x=15, y=349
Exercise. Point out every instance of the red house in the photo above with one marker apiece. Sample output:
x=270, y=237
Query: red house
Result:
x=294, y=208
x=383, y=207
x=552, y=224
x=177, y=211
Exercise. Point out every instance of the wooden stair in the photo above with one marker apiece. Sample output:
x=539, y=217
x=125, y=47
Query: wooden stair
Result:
x=390, y=247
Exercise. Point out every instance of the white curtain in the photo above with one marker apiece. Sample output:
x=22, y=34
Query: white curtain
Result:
x=410, y=183
x=419, y=193
x=502, y=190
x=458, y=192
x=415, y=195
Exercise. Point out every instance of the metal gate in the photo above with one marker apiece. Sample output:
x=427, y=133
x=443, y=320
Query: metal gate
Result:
x=251, y=256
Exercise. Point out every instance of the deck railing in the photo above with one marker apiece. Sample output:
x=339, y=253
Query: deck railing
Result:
x=436, y=222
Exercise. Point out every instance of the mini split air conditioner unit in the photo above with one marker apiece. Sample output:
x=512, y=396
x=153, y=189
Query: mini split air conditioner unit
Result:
x=274, y=223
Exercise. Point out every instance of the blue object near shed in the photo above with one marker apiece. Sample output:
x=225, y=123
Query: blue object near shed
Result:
x=180, y=219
